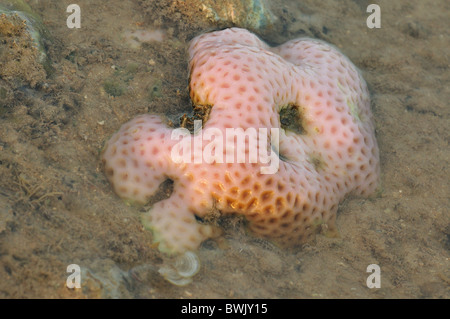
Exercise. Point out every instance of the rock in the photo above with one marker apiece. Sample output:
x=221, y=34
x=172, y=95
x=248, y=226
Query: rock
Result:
x=23, y=58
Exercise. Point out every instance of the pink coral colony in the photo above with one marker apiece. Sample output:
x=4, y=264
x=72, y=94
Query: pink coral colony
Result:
x=330, y=153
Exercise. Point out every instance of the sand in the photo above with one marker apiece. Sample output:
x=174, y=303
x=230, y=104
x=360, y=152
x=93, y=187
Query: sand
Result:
x=57, y=208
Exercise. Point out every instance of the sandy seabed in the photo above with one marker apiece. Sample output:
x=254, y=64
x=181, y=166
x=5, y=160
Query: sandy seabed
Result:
x=57, y=208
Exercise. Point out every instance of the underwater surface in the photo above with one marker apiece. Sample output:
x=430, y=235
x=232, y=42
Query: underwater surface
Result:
x=65, y=89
